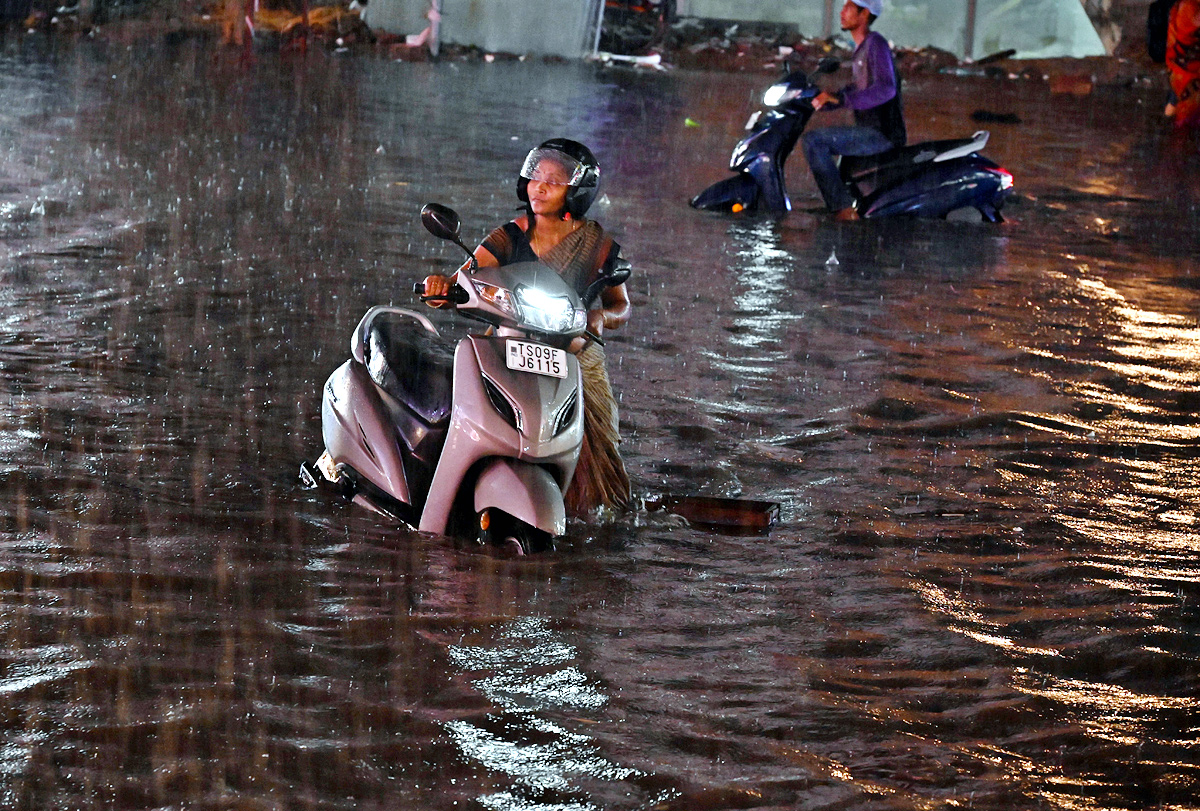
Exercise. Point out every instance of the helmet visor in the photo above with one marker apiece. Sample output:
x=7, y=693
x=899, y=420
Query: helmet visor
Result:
x=552, y=166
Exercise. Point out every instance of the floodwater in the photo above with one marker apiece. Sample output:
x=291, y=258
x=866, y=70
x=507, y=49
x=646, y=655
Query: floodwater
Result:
x=982, y=591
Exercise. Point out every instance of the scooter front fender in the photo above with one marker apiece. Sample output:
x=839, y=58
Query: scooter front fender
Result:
x=739, y=190
x=524, y=491
x=772, y=193
x=478, y=432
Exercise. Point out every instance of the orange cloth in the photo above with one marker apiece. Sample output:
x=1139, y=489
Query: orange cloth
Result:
x=1183, y=61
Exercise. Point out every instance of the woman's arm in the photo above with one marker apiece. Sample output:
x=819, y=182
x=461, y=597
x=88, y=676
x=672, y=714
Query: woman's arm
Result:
x=437, y=285
x=613, y=312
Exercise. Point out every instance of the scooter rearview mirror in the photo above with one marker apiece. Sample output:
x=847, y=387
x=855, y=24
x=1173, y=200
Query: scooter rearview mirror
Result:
x=443, y=222
x=619, y=275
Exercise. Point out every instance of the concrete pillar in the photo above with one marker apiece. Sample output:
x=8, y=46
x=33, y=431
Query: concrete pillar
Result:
x=969, y=29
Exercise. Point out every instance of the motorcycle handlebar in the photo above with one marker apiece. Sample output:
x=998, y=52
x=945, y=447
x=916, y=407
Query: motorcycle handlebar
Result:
x=459, y=296
x=456, y=295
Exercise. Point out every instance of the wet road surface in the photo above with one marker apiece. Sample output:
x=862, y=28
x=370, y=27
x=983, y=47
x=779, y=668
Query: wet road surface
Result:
x=982, y=590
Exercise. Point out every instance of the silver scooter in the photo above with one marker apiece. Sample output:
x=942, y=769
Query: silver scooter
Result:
x=481, y=443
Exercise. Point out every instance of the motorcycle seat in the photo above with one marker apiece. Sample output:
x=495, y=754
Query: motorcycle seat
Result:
x=903, y=158
x=411, y=364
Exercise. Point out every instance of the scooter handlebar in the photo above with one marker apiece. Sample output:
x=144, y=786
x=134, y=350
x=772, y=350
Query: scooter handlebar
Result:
x=456, y=295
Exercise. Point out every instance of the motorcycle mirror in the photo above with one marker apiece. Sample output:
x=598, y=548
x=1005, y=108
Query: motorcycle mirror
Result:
x=441, y=221
x=618, y=276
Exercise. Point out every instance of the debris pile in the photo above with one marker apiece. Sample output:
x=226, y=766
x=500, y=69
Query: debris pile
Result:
x=633, y=34
x=288, y=21
x=748, y=46
x=701, y=44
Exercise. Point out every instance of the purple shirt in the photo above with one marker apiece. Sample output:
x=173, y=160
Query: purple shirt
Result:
x=874, y=74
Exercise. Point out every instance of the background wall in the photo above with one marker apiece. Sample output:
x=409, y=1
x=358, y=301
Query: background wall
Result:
x=553, y=27
x=1035, y=28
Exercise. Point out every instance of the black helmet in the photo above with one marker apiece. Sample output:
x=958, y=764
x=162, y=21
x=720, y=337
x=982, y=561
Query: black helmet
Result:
x=580, y=165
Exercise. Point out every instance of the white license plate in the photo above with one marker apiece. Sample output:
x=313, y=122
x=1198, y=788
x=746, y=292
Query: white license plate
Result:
x=537, y=358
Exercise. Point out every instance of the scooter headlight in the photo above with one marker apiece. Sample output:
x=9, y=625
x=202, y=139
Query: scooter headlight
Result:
x=547, y=313
x=779, y=93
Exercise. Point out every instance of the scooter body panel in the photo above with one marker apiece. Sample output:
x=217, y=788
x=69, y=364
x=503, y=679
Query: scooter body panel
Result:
x=358, y=431
x=933, y=190
x=540, y=425
x=758, y=159
x=774, y=133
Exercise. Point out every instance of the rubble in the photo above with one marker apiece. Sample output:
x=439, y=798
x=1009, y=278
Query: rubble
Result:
x=629, y=39
x=698, y=44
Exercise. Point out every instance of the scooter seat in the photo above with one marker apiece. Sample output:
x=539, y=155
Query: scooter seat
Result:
x=904, y=158
x=411, y=364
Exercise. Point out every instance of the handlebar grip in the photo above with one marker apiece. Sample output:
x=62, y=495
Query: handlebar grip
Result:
x=456, y=294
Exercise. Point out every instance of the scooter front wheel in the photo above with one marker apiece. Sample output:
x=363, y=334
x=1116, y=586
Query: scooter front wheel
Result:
x=498, y=529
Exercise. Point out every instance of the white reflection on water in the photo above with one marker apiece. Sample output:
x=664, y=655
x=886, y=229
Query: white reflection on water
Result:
x=47, y=664
x=965, y=615
x=530, y=673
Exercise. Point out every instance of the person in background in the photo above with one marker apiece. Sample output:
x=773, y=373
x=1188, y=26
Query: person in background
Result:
x=1158, y=18
x=1183, y=61
x=558, y=183
x=873, y=95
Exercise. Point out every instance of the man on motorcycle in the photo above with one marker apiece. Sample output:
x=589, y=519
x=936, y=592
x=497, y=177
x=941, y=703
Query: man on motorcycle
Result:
x=873, y=95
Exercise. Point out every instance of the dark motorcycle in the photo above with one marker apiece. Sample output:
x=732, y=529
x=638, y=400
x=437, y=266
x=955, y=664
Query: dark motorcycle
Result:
x=930, y=179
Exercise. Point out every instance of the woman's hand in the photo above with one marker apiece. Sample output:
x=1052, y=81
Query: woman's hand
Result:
x=436, y=285
x=612, y=313
x=595, y=325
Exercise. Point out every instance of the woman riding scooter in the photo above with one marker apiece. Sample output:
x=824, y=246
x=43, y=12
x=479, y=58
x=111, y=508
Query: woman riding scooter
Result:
x=558, y=183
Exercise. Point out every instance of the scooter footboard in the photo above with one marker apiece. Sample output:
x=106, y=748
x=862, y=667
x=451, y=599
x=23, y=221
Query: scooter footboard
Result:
x=524, y=491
